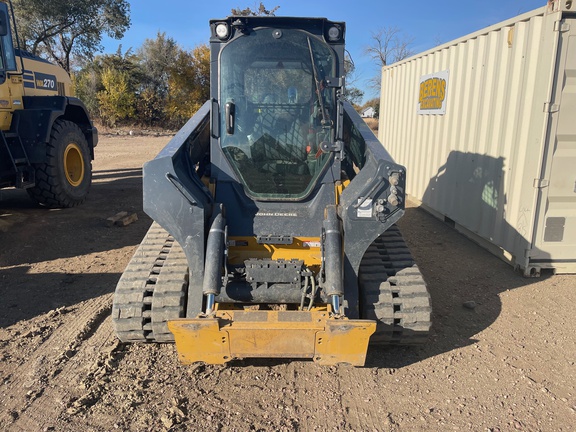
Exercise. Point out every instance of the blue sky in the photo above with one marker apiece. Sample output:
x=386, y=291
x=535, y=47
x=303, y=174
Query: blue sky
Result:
x=427, y=22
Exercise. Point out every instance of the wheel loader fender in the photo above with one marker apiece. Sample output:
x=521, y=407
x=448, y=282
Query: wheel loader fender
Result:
x=234, y=334
x=176, y=198
x=34, y=124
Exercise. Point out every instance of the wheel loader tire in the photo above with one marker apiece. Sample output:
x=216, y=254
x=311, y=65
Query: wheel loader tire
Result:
x=65, y=178
x=393, y=292
x=152, y=290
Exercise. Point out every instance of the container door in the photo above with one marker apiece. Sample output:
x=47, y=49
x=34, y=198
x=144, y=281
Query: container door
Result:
x=555, y=233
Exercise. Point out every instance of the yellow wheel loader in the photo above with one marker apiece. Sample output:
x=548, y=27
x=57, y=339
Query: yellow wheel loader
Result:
x=46, y=137
x=275, y=210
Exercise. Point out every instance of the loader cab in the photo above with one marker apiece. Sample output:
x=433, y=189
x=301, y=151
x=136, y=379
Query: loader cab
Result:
x=4, y=35
x=7, y=57
x=10, y=91
x=277, y=103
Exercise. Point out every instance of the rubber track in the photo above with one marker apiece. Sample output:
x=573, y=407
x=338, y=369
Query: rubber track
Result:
x=152, y=290
x=393, y=292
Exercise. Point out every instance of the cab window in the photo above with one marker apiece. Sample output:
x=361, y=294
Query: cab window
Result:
x=283, y=111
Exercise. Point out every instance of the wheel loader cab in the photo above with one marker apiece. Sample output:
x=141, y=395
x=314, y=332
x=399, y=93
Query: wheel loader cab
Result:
x=4, y=33
x=274, y=197
x=8, y=91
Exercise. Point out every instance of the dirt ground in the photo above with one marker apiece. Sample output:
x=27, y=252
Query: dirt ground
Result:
x=507, y=364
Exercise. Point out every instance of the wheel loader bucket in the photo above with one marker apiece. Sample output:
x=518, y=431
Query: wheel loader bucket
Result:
x=233, y=334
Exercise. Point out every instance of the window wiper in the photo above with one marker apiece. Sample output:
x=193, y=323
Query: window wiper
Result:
x=317, y=83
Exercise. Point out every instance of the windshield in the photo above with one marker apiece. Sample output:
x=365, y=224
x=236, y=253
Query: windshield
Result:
x=282, y=110
x=6, y=42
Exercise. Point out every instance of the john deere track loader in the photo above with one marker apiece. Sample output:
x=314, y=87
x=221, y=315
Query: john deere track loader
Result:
x=274, y=210
x=46, y=137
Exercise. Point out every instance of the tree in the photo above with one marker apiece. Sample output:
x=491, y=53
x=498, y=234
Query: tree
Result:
x=259, y=10
x=353, y=94
x=117, y=102
x=87, y=83
x=389, y=46
x=126, y=62
x=108, y=85
x=189, y=84
x=60, y=29
x=88, y=78
x=157, y=59
x=162, y=85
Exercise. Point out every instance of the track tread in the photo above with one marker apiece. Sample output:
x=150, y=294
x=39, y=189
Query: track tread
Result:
x=394, y=293
x=152, y=290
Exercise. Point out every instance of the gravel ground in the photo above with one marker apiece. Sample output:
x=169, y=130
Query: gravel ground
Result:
x=504, y=362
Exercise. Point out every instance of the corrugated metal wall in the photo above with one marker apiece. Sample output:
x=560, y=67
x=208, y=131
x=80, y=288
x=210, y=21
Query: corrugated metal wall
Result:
x=555, y=239
x=479, y=163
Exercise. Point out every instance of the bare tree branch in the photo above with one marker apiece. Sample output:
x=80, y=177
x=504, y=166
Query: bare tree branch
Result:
x=59, y=29
x=389, y=46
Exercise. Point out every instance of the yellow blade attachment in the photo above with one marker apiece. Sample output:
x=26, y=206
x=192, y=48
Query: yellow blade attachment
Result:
x=235, y=334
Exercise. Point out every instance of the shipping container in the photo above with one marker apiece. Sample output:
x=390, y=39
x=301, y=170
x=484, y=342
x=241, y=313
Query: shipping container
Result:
x=486, y=126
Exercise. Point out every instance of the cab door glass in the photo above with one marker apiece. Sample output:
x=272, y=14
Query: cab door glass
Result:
x=282, y=111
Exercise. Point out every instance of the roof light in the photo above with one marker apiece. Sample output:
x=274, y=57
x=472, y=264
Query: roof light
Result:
x=333, y=33
x=222, y=30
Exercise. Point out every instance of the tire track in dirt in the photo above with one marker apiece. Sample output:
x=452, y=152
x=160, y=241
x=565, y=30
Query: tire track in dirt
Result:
x=364, y=401
x=317, y=398
x=305, y=398
x=46, y=383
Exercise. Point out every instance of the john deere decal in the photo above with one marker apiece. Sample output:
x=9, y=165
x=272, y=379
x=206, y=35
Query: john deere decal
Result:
x=432, y=95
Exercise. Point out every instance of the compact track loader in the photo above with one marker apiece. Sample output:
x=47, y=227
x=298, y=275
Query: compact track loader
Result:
x=274, y=210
